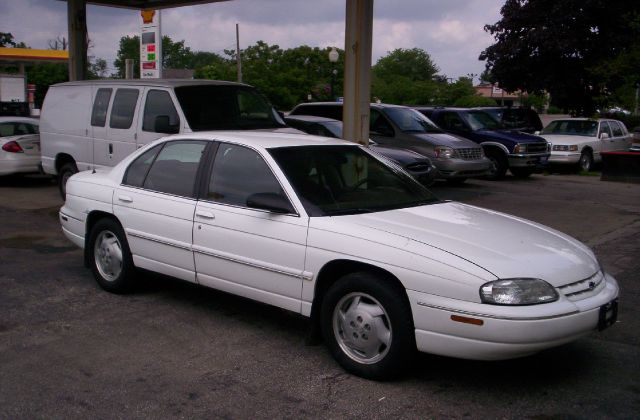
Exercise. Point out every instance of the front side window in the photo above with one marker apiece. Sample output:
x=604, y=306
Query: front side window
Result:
x=137, y=171
x=338, y=180
x=124, y=106
x=160, y=115
x=175, y=168
x=239, y=172
x=100, y=105
x=451, y=121
x=604, y=128
x=479, y=120
x=379, y=124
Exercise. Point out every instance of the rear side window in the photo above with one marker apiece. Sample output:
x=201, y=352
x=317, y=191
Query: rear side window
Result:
x=615, y=127
x=100, y=105
x=175, y=168
x=124, y=105
x=160, y=115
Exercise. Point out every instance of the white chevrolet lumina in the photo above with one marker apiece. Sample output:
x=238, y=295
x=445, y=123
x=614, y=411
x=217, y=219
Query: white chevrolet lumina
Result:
x=328, y=230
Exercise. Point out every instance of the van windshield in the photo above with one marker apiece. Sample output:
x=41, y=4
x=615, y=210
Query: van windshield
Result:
x=226, y=107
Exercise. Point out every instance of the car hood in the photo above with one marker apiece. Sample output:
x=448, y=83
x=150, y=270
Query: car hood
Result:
x=509, y=135
x=503, y=245
x=402, y=156
x=567, y=139
x=446, y=139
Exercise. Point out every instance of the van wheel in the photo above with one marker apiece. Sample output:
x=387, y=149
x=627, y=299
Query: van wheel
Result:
x=110, y=257
x=64, y=174
x=367, y=325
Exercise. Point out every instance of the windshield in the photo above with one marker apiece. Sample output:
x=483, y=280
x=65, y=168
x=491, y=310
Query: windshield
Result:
x=572, y=128
x=410, y=120
x=333, y=127
x=479, y=120
x=339, y=180
x=226, y=107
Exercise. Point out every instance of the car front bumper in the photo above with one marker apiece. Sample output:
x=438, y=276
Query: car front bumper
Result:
x=506, y=331
x=460, y=168
x=564, y=158
x=527, y=160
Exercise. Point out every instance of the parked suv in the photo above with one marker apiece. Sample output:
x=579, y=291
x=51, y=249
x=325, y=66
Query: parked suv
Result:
x=519, y=152
x=89, y=124
x=455, y=158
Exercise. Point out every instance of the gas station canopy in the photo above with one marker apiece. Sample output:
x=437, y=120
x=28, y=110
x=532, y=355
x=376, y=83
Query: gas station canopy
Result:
x=150, y=4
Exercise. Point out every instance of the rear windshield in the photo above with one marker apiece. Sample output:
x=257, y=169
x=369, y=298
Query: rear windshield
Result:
x=226, y=108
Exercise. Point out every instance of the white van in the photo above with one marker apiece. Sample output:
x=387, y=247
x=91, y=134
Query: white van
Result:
x=91, y=124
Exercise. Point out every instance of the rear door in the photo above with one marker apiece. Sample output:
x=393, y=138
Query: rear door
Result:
x=620, y=140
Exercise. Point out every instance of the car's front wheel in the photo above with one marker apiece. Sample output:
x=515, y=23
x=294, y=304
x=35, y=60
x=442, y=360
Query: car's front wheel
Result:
x=499, y=164
x=586, y=161
x=110, y=257
x=367, y=325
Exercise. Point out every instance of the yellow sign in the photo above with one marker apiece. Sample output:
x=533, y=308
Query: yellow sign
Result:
x=147, y=15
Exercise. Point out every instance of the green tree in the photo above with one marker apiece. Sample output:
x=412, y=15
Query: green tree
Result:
x=414, y=64
x=569, y=48
x=129, y=49
x=7, y=40
x=44, y=75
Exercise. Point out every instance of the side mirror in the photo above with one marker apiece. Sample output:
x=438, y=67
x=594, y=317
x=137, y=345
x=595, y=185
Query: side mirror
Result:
x=537, y=132
x=604, y=136
x=272, y=202
x=161, y=125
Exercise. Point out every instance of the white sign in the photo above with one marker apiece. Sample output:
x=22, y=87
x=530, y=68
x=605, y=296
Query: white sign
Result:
x=150, y=45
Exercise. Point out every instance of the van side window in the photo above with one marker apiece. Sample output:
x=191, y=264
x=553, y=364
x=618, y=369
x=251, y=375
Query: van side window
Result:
x=124, y=105
x=160, y=115
x=137, y=171
x=174, y=170
x=100, y=105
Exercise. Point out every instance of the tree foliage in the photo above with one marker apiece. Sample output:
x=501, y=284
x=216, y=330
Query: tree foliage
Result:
x=576, y=50
x=7, y=40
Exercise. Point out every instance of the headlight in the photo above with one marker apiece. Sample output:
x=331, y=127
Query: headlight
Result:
x=444, y=152
x=520, y=148
x=517, y=292
x=565, y=148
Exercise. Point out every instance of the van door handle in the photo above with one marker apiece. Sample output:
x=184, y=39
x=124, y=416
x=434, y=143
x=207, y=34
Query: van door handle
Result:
x=125, y=199
x=205, y=214
x=110, y=148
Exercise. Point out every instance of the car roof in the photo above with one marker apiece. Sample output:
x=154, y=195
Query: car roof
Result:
x=262, y=139
x=584, y=119
x=311, y=118
x=373, y=104
x=169, y=83
x=19, y=119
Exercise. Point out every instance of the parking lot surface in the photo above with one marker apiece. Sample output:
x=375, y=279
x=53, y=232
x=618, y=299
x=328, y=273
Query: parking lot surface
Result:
x=177, y=350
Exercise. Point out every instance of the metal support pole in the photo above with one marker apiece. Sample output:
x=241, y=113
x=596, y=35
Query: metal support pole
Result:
x=77, y=27
x=357, y=70
x=128, y=68
x=238, y=56
x=637, y=111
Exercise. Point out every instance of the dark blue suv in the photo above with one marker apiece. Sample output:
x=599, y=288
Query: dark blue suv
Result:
x=519, y=152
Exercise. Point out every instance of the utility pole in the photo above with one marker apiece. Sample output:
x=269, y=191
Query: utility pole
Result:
x=238, y=58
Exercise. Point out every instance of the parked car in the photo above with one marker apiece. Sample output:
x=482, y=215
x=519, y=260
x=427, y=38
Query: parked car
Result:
x=635, y=140
x=96, y=123
x=579, y=141
x=19, y=145
x=419, y=166
x=520, y=119
x=519, y=152
x=327, y=229
x=401, y=127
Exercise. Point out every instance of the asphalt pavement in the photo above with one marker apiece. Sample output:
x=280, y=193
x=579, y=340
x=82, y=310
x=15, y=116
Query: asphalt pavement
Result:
x=177, y=350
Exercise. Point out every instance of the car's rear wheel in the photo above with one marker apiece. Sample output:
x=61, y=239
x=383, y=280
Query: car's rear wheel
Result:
x=499, y=165
x=522, y=172
x=110, y=257
x=64, y=174
x=586, y=161
x=367, y=325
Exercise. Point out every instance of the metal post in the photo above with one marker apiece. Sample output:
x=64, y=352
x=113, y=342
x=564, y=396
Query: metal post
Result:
x=637, y=111
x=128, y=68
x=238, y=57
x=357, y=70
x=77, y=27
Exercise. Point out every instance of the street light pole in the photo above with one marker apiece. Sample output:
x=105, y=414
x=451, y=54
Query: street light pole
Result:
x=333, y=58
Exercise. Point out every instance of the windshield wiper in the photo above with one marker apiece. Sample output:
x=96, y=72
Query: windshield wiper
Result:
x=357, y=210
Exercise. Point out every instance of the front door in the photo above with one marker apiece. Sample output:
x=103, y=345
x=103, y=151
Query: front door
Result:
x=253, y=253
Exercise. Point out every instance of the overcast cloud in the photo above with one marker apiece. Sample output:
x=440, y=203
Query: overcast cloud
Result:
x=450, y=31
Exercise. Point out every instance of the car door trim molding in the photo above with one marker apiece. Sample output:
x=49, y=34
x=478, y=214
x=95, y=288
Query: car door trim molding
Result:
x=157, y=239
x=305, y=275
x=509, y=318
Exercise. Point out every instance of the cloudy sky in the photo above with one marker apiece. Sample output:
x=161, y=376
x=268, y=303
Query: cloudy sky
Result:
x=450, y=31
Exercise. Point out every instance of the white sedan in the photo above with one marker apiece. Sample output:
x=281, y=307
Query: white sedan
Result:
x=325, y=229
x=19, y=145
x=579, y=141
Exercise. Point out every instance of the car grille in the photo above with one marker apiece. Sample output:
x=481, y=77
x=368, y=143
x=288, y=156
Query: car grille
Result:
x=536, y=147
x=470, y=154
x=418, y=167
x=584, y=288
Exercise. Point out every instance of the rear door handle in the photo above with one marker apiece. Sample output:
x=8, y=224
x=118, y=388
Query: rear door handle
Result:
x=205, y=214
x=125, y=199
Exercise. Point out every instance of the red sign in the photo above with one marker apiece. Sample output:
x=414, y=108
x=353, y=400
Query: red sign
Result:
x=149, y=65
x=151, y=47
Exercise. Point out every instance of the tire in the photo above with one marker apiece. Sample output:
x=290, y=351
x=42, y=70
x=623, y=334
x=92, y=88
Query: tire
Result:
x=110, y=257
x=522, y=172
x=367, y=325
x=500, y=164
x=586, y=161
x=65, y=172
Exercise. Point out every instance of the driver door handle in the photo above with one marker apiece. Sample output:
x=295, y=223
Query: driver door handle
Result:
x=205, y=214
